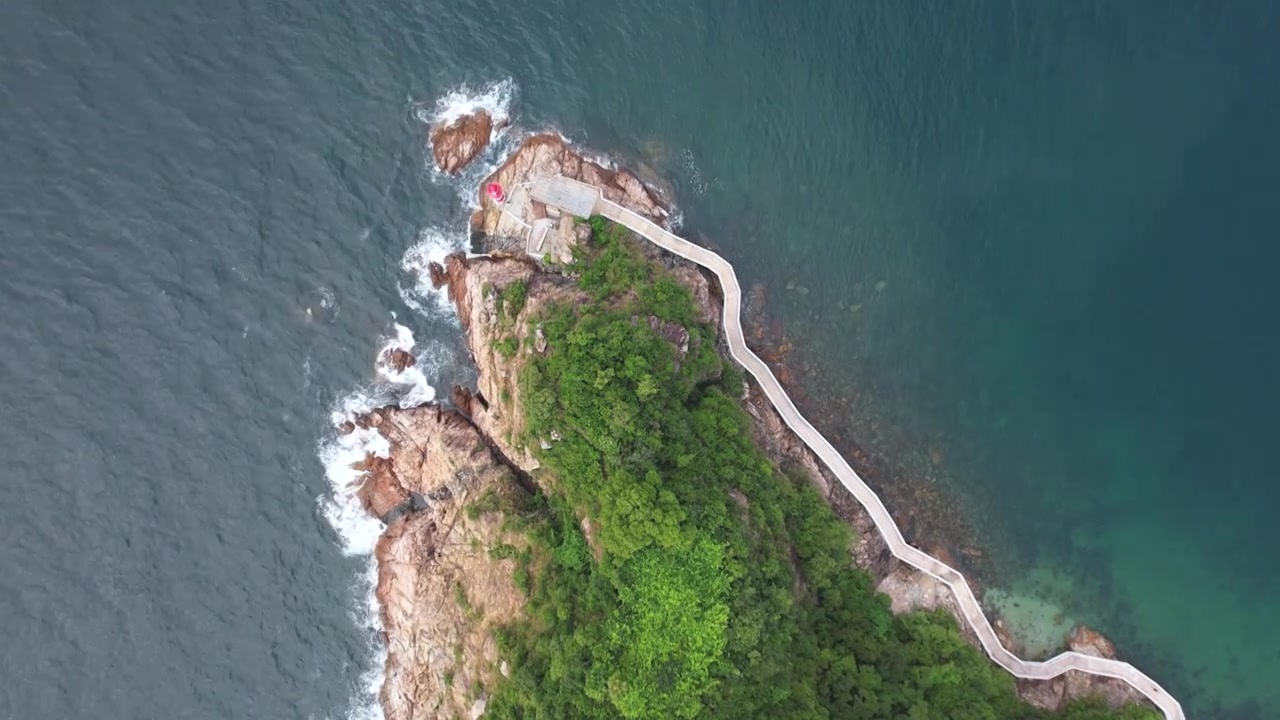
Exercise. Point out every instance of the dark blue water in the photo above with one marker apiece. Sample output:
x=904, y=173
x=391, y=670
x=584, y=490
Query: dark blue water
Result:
x=1038, y=239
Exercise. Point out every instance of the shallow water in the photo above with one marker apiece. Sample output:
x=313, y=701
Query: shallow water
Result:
x=1054, y=223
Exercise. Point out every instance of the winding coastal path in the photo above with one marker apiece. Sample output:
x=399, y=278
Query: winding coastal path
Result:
x=585, y=200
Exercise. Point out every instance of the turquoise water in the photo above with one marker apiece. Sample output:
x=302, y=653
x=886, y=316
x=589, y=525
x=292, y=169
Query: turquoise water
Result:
x=1067, y=210
x=1030, y=248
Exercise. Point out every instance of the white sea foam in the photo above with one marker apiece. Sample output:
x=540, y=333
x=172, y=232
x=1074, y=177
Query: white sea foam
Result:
x=412, y=381
x=675, y=219
x=494, y=98
x=432, y=246
x=357, y=531
x=368, y=705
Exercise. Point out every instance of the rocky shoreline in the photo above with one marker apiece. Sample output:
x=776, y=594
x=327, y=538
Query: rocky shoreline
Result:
x=445, y=574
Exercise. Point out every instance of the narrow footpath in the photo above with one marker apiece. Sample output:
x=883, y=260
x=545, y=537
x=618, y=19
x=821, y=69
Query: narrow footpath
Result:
x=576, y=197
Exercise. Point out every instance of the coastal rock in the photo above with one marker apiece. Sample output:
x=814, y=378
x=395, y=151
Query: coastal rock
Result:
x=753, y=315
x=441, y=653
x=441, y=594
x=1058, y=692
x=380, y=492
x=539, y=340
x=1090, y=642
x=1005, y=636
x=544, y=156
x=473, y=287
x=909, y=589
x=438, y=275
x=399, y=360
x=456, y=144
x=455, y=279
x=673, y=333
x=706, y=302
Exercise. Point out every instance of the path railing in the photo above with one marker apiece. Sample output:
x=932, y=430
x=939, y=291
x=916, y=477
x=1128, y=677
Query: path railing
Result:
x=898, y=545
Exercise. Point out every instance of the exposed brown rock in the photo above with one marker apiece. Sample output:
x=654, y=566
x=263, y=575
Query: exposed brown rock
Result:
x=673, y=333
x=458, y=143
x=706, y=300
x=455, y=274
x=421, y=560
x=380, y=491
x=1090, y=642
x=909, y=589
x=543, y=156
x=474, y=285
x=461, y=398
x=440, y=652
x=1054, y=694
x=399, y=360
x=438, y=275
x=1005, y=636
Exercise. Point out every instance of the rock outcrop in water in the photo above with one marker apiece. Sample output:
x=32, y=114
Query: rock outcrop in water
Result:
x=454, y=145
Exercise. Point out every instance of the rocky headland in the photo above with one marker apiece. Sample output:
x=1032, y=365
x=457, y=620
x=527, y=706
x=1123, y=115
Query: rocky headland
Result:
x=441, y=590
x=445, y=574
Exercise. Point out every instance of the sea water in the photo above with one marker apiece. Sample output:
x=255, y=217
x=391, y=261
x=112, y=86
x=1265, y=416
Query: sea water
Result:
x=1029, y=252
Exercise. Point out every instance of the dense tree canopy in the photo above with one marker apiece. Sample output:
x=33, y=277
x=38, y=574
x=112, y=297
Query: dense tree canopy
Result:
x=715, y=585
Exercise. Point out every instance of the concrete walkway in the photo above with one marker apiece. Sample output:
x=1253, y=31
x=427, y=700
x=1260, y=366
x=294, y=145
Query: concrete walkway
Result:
x=572, y=195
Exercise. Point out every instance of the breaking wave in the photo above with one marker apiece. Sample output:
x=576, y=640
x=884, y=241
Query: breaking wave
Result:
x=432, y=246
x=357, y=531
x=494, y=98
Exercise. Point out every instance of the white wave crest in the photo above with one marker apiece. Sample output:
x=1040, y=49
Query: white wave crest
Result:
x=357, y=531
x=417, y=390
x=358, y=534
x=494, y=98
x=433, y=245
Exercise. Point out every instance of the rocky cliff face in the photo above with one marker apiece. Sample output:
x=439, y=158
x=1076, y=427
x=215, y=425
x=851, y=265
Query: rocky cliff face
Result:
x=478, y=288
x=441, y=592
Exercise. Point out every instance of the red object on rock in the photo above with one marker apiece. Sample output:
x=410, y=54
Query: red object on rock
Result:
x=495, y=192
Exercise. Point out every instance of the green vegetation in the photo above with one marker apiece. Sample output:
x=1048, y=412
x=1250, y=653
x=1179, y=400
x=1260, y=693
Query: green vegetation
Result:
x=460, y=596
x=511, y=299
x=507, y=347
x=687, y=603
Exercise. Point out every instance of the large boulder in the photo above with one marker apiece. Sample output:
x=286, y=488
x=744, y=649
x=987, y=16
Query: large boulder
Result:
x=456, y=144
x=1090, y=642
